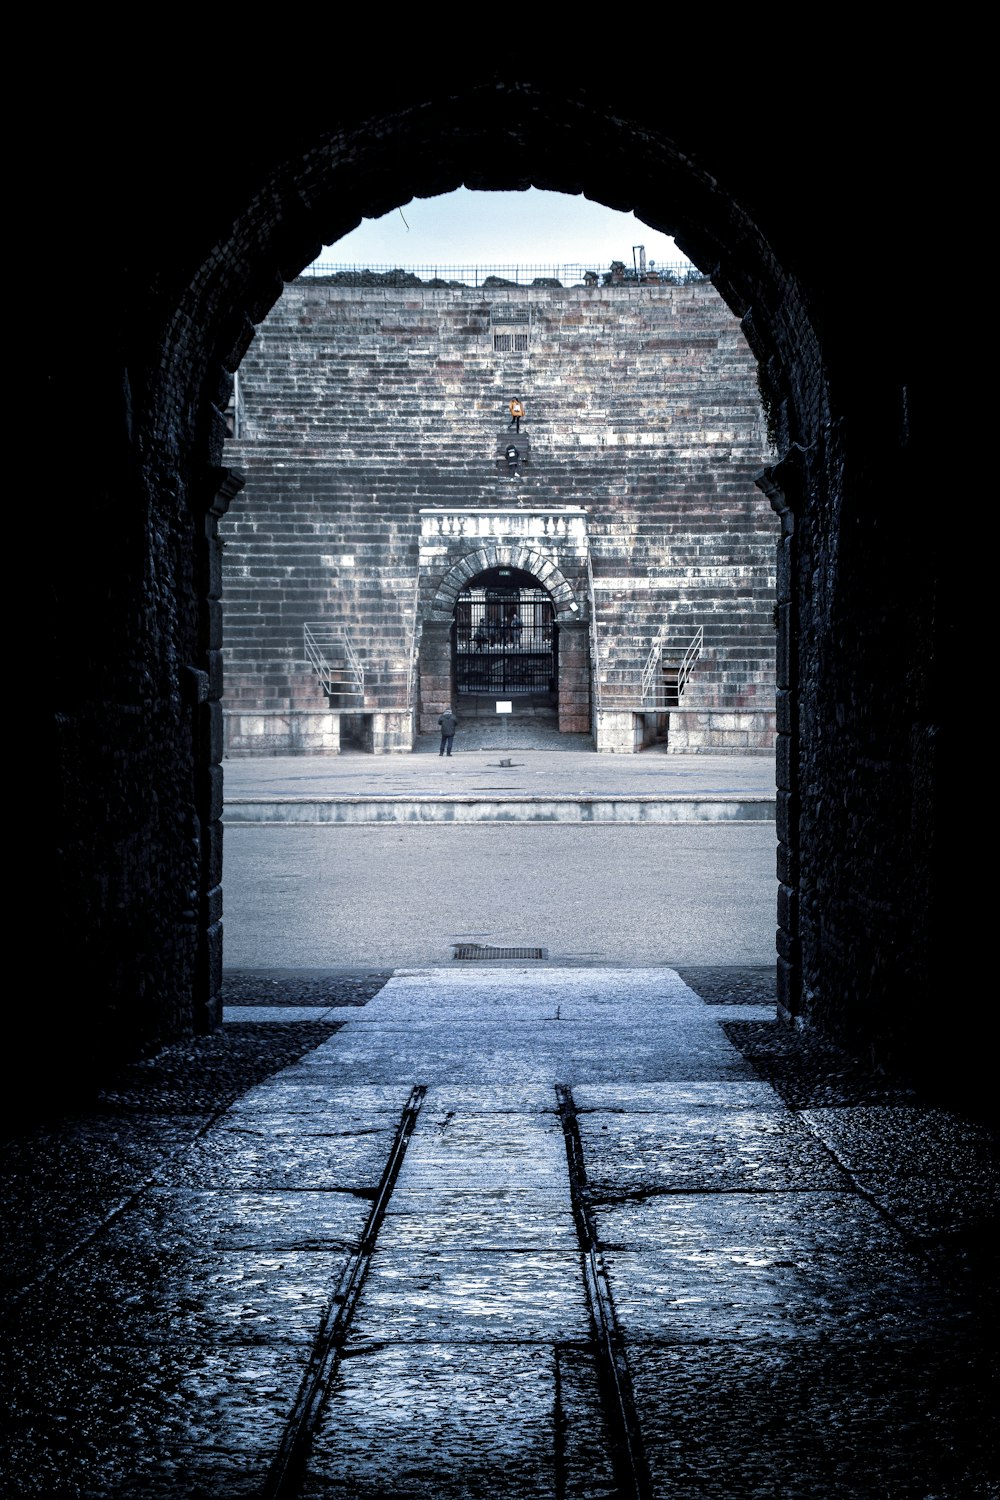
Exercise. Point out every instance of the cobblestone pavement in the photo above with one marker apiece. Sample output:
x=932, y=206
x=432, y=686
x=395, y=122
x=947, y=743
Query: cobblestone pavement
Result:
x=481, y=1230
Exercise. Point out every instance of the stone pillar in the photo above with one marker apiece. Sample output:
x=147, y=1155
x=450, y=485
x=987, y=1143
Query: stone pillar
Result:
x=619, y=731
x=436, y=688
x=392, y=733
x=574, y=677
x=202, y=685
x=776, y=483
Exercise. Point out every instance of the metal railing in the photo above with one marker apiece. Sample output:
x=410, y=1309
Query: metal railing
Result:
x=683, y=645
x=676, y=273
x=334, y=660
x=411, y=674
x=595, y=665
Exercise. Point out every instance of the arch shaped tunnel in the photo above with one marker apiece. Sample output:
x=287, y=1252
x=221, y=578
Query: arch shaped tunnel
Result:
x=192, y=257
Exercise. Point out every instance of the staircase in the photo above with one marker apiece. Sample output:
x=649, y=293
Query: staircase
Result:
x=336, y=664
x=671, y=662
x=363, y=406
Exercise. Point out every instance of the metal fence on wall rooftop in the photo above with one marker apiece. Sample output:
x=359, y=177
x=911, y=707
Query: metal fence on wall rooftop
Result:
x=679, y=273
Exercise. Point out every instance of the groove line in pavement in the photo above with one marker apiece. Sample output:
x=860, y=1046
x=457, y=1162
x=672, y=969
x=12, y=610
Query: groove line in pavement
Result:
x=616, y=1383
x=286, y=1472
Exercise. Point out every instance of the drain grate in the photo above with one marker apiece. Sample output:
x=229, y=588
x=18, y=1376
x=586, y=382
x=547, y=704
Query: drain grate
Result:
x=477, y=950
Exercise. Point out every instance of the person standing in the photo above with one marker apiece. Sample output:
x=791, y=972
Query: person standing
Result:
x=516, y=409
x=448, y=724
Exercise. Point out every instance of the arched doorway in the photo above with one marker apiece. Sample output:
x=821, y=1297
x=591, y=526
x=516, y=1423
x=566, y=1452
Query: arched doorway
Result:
x=859, y=737
x=505, y=645
x=506, y=626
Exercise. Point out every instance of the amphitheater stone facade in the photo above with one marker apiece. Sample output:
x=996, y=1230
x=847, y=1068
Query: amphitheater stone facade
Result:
x=393, y=522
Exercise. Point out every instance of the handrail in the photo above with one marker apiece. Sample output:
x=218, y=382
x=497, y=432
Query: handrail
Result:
x=690, y=654
x=689, y=658
x=318, y=640
x=673, y=273
x=595, y=666
x=655, y=654
x=412, y=673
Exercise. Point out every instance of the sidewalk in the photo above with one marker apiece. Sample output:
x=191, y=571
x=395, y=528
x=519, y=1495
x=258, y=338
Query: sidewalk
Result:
x=484, y=785
x=539, y=1235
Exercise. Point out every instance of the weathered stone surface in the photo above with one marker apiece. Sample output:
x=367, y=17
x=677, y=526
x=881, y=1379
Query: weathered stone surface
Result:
x=484, y=1152
x=473, y=1217
x=506, y=1099
x=236, y=1157
x=450, y=1416
x=486, y=1054
x=671, y=1098
x=765, y=1265
x=457, y=1421
x=704, y=1150
x=231, y=1220
x=786, y=1331
x=158, y=1418
x=292, y=1093
x=613, y=993
x=822, y=1422
x=892, y=1142
x=469, y=1296
x=127, y=1290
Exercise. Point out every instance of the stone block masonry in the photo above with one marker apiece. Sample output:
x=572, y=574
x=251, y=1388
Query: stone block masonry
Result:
x=373, y=436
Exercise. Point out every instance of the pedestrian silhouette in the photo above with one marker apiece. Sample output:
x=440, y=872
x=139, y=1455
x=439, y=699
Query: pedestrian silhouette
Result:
x=448, y=724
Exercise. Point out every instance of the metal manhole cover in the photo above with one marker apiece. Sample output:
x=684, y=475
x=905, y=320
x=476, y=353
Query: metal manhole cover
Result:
x=478, y=950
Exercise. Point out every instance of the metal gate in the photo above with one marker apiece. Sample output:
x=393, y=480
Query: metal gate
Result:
x=505, y=642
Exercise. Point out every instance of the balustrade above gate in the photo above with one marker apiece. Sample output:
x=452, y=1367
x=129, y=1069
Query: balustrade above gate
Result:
x=562, y=524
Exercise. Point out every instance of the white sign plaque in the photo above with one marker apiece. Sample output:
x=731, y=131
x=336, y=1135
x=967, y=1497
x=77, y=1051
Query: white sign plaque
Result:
x=505, y=708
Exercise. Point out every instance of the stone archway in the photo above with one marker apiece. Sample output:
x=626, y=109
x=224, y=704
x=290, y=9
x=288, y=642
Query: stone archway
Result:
x=398, y=142
x=865, y=733
x=565, y=599
x=437, y=672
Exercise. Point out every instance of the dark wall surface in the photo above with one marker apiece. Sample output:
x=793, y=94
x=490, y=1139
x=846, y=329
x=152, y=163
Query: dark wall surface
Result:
x=195, y=196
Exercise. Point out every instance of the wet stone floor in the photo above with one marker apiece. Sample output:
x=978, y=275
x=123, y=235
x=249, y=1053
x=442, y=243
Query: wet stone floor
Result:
x=501, y=1232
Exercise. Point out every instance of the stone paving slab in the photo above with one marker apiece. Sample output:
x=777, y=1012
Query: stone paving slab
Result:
x=435, y=1421
x=703, y=1150
x=668, y=1098
x=466, y=990
x=890, y=1142
x=459, y=1296
x=539, y=1006
x=539, y=1054
x=241, y=1158
x=198, y=1420
x=943, y=1216
x=234, y=1220
x=291, y=1092
x=60, y=1188
x=744, y=1266
x=492, y=1150
x=279, y=1014
x=518, y=1099
x=769, y=1419
x=496, y=1218
x=124, y=1290
x=934, y=1175
x=95, y=1155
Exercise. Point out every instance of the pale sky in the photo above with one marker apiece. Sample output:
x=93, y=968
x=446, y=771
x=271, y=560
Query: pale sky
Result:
x=501, y=229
